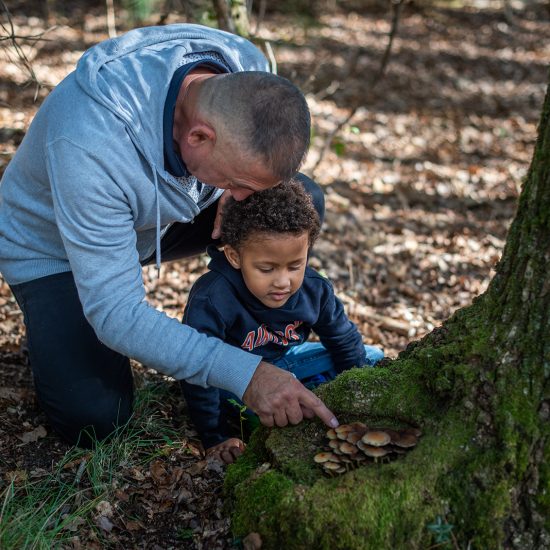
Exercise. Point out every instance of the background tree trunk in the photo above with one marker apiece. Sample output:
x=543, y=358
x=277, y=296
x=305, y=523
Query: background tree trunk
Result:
x=230, y=15
x=478, y=388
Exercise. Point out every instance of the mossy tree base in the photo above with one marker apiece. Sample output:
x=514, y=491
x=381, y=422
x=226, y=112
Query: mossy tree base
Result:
x=478, y=388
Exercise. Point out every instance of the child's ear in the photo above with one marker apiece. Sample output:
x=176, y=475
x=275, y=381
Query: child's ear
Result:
x=232, y=256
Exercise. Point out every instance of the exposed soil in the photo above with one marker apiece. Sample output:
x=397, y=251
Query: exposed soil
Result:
x=421, y=186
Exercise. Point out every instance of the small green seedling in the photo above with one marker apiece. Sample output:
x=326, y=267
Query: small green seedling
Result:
x=442, y=530
x=242, y=417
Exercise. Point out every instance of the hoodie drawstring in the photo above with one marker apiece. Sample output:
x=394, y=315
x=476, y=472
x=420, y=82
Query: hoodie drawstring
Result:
x=157, y=200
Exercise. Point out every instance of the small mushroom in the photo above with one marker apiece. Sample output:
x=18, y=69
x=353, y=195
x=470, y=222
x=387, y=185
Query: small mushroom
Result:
x=404, y=439
x=376, y=438
x=354, y=437
x=348, y=448
x=359, y=427
x=331, y=434
x=321, y=458
x=334, y=444
x=343, y=428
x=341, y=470
x=332, y=466
x=359, y=457
x=374, y=452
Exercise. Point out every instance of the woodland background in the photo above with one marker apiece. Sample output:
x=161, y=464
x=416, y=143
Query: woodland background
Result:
x=421, y=185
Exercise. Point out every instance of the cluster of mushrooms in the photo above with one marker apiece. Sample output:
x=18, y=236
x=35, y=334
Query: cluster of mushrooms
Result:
x=351, y=444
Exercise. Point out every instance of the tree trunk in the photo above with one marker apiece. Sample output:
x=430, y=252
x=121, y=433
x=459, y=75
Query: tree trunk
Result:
x=478, y=389
x=228, y=15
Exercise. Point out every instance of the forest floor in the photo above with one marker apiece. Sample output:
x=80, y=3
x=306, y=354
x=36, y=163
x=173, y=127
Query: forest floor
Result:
x=421, y=186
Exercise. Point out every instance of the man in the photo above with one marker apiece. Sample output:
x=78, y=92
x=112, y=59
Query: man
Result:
x=127, y=161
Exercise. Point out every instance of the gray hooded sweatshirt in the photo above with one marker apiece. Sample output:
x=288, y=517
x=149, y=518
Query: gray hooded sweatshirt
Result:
x=87, y=192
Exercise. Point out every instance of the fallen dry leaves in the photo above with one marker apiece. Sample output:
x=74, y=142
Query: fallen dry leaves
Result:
x=420, y=188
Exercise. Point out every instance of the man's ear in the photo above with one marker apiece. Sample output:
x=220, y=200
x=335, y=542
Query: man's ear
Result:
x=232, y=256
x=201, y=135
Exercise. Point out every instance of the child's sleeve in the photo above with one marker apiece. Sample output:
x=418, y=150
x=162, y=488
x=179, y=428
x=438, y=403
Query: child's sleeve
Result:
x=201, y=314
x=337, y=333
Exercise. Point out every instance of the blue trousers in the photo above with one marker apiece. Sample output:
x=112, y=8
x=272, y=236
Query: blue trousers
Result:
x=310, y=360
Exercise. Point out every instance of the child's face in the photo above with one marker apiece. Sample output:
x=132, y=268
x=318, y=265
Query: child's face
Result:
x=272, y=265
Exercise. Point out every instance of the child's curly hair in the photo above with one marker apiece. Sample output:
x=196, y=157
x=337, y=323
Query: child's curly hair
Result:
x=286, y=208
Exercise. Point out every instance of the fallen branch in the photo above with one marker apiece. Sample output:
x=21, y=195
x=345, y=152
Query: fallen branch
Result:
x=367, y=314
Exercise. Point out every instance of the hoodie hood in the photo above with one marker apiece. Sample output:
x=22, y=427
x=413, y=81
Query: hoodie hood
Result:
x=128, y=74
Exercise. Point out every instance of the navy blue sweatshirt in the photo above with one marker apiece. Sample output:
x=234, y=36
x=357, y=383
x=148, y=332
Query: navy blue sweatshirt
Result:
x=221, y=305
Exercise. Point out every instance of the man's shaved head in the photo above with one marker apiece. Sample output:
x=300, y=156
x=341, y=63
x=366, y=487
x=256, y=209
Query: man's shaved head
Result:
x=261, y=114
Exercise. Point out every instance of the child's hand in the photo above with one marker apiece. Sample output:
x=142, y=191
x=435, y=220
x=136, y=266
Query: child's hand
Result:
x=227, y=451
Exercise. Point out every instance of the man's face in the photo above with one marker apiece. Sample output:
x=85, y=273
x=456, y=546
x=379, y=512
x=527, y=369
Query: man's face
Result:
x=226, y=169
x=272, y=266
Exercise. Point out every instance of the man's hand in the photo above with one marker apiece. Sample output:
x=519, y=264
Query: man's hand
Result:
x=216, y=233
x=279, y=399
x=227, y=451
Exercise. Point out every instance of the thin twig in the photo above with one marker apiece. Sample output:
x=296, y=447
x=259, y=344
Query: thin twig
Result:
x=271, y=56
x=396, y=6
x=11, y=36
x=111, y=18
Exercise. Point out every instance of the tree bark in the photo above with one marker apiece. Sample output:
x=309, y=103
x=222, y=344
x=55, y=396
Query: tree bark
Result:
x=230, y=15
x=478, y=389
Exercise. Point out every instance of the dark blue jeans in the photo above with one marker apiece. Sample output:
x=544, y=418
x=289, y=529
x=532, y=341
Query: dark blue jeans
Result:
x=85, y=388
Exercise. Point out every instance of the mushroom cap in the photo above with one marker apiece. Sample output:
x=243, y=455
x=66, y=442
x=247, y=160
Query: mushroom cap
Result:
x=376, y=438
x=347, y=448
x=359, y=457
x=404, y=439
x=332, y=466
x=343, y=428
x=360, y=427
x=340, y=470
x=321, y=458
x=357, y=426
x=334, y=444
x=354, y=437
x=374, y=452
x=331, y=434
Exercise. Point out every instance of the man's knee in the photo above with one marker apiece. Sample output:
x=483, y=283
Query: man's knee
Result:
x=83, y=418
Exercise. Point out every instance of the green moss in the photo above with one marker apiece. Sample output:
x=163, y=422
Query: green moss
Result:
x=254, y=455
x=260, y=498
x=360, y=509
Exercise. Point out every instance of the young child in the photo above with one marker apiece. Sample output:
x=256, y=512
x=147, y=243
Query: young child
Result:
x=260, y=295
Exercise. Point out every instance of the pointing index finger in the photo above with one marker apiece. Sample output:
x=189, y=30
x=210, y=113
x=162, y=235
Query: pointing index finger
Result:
x=310, y=401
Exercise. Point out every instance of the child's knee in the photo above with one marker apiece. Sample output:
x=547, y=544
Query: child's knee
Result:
x=373, y=355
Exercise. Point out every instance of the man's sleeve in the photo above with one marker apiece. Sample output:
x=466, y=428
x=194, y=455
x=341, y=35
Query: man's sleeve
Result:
x=96, y=224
